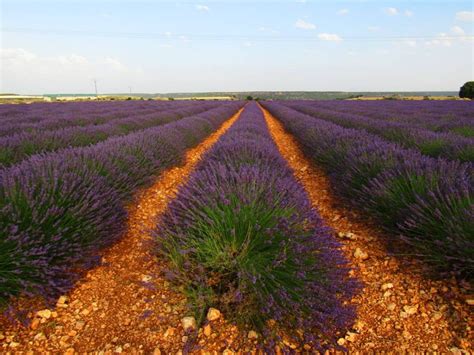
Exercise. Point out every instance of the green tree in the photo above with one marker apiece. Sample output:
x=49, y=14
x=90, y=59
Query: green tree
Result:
x=467, y=90
x=250, y=98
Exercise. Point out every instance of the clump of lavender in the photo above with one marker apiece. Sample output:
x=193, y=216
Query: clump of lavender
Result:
x=54, y=217
x=242, y=236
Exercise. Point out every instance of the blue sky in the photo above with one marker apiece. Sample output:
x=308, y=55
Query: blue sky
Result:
x=172, y=46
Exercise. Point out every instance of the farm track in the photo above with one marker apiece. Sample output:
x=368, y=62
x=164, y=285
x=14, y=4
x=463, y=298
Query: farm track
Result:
x=125, y=304
x=398, y=309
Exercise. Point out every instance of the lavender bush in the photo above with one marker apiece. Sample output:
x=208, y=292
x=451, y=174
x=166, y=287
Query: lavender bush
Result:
x=59, y=209
x=242, y=236
x=426, y=201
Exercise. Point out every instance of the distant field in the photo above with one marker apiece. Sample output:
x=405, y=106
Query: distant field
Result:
x=264, y=95
x=408, y=97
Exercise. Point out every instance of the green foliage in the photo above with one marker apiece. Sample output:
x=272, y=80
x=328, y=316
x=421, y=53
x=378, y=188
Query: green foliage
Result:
x=233, y=239
x=467, y=154
x=400, y=192
x=467, y=90
x=465, y=131
x=433, y=147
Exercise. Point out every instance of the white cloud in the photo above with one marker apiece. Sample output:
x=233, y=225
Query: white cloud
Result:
x=202, y=8
x=301, y=1
x=458, y=31
x=300, y=23
x=267, y=30
x=392, y=11
x=447, y=40
x=465, y=16
x=411, y=43
x=382, y=52
x=16, y=54
x=115, y=64
x=343, y=12
x=329, y=37
x=409, y=13
x=72, y=59
x=441, y=40
x=373, y=28
x=61, y=73
x=248, y=44
x=20, y=55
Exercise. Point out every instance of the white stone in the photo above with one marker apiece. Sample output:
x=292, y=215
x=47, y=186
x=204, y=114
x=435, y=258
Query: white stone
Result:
x=252, y=334
x=359, y=254
x=213, y=314
x=189, y=323
x=45, y=313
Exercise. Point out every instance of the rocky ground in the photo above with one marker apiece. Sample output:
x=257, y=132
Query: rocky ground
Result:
x=126, y=305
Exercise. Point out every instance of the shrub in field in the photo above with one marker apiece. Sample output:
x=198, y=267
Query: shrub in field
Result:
x=467, y=90
x=242, y=236
x=466, y=131
x=54, y=215
x=426, y=201
x=431, y=203
x=59, y=209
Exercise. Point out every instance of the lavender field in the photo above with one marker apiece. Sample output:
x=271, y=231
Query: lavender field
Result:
x=59, y=208
x=417, y=181
x=240, y=230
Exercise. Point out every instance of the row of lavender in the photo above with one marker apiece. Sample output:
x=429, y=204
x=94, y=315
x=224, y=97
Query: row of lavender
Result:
x=242, y=236
x=17, y=147
x=59, y=209
x=427, y=202
x=37, y=112
x=438, y=116
x=435, y=144
x=42, y=117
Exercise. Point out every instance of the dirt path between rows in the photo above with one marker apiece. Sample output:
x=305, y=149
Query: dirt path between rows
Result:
x=124, y=305
x=398, y=309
